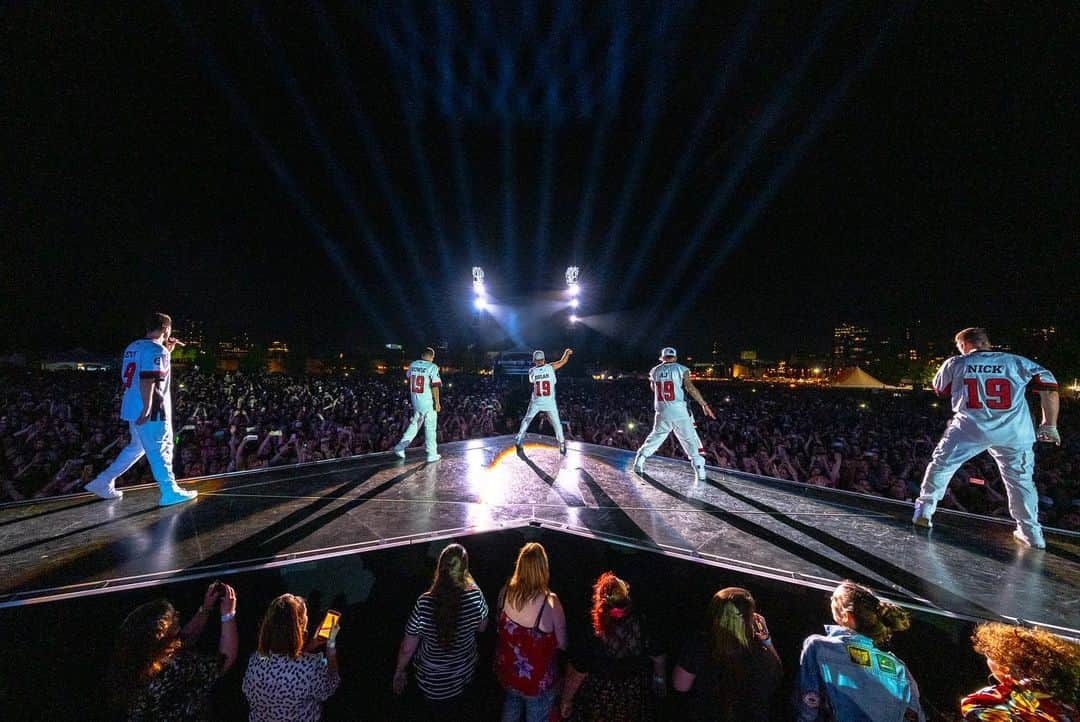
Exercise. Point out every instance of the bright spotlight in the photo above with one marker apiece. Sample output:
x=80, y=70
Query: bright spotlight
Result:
x=573, y=319
x=571, y=276
x=478, y=280
x=575, y=289
x=574, y=303
x=480, y=304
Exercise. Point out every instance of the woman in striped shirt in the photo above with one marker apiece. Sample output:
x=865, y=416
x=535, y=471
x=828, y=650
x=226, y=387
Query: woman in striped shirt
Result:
x=440, y=637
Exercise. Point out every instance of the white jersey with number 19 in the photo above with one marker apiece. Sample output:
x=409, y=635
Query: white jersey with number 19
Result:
x=542, y=379
x=986, y=389
x=667, y=383
x=422, y=376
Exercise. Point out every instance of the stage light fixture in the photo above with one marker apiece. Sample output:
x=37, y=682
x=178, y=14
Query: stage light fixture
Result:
x=480, y=303
x=574, y=303
x=573, y=319
x=478, y=280
x=572, y=276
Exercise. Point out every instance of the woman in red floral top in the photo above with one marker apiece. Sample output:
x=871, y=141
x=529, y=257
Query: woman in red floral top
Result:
x=532, y=628
x=1037, y=675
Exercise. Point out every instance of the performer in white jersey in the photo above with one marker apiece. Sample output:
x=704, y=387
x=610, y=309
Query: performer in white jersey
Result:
x=147, y=407
x=542, y=378
x=424, y=384
x=989, y=413
x=670, y=383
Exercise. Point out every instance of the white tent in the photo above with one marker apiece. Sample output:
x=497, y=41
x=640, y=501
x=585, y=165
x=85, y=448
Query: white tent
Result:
x=855, y=378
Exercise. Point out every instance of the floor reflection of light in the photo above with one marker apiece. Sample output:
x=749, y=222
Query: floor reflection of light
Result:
x=487, y=483
x=567, y=477
x=489, y=480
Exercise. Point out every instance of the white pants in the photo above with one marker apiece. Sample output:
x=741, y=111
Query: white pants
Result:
x=685, y=431
x=1015, y=463
x=154, y=441
x=552, y=414
x=430, y=421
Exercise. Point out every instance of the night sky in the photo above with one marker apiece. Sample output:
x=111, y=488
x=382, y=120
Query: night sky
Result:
x=328, y=173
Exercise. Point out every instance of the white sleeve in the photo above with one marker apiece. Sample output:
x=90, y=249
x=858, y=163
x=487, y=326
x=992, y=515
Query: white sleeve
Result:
x=942, y=379
x=1039, y=378
x=153, y=362
x=435, y=380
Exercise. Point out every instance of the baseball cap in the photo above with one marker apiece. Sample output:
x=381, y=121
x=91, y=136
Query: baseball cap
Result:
x=538, y=355
x=667, y=351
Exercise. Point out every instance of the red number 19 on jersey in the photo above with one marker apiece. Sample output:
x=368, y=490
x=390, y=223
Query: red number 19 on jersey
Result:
x=665, y=390
x=998, y=394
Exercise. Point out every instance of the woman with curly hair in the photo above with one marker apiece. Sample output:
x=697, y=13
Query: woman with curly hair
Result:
x=154, y=673
x=617, y=673
x=845, y=674
x=1037, y=674
x=730, y=664
x=441, y=633
x=286, y=679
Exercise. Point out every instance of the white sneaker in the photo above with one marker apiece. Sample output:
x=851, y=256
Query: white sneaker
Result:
x=701, y=474
x=921, y=517
x=176, y=495
x=1035, y=541
x=436, y=457
x=399, y=453
x=103, y=490
x=639, y=464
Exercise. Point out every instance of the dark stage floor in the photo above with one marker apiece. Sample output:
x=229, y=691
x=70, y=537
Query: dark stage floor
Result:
x=967, y=566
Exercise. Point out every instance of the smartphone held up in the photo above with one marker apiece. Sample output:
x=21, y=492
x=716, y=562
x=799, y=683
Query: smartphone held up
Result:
x=327, y=624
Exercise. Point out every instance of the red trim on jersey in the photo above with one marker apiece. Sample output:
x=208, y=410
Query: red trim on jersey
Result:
x=436, y=383
x=151, y=374
x=1037, y=384
x=945, y=391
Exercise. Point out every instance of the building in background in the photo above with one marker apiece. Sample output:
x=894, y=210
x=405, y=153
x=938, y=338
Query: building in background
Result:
x=78, y=359
x=277, y=357
x=851, y=345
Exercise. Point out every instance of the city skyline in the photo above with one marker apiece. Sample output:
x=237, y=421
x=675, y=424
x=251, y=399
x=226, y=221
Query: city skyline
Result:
x=892, y=348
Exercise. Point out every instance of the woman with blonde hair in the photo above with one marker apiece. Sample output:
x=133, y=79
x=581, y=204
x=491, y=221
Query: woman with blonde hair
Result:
x=531, y=629
x=730, y=664
x=617, y=673
x=286, y=679
x=845, y=674
x=1037, y=674
x=441, y=633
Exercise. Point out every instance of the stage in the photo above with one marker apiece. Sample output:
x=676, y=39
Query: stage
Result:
x=967, y=567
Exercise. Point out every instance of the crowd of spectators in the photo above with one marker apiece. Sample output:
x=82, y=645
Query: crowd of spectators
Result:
x=58, y=430
x=872, y=443
x=725, y=667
